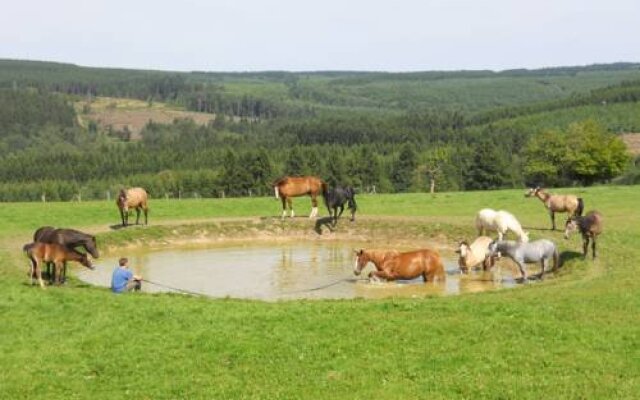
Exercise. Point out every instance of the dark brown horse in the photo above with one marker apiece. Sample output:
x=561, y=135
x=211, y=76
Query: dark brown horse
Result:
x=69, y=238
x=392, y=265
x=39, y=253
x=568, y=203
x=590, y=227
x=294, y=186
x=133, y=198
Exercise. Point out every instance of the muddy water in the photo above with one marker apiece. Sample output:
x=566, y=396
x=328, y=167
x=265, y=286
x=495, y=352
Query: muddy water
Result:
x=279, y=271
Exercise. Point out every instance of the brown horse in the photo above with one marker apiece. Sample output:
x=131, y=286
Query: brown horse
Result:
x=590, y=226
x=392, y=265
x=39, y=253
x=133, y=198
x=568, y=203
x=294, y=186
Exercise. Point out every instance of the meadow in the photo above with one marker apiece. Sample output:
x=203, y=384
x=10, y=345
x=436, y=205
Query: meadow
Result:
x=575, y=335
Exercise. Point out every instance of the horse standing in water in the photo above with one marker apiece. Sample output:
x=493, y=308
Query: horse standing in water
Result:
x=39, y=253
x=590, y=227
x=69, y=238
x=336, y=198
x=133, y=198
x=540, y=251
x=294, y=186
x=568, y=203
x=392, y=265
x=474, y=254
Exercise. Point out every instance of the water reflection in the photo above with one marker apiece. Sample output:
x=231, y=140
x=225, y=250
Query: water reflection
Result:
x=281, y=271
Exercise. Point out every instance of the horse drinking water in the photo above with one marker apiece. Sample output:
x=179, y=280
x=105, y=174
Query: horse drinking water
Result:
x=133, y=198
x=39, y=253
x=392, y=265
x=540, y=251
x=474, y=254
x=590, y=227
x=568, y=203
x=294, y=186
x=336, y=198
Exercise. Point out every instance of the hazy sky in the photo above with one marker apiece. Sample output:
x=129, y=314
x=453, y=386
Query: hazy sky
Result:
x=297, y=35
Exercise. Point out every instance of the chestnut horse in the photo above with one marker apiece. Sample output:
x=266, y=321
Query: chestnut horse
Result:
x=392, y=265
x=568, y=203
x=70, y=238
x=293, y=186
x=39, y=253
x=133, y=198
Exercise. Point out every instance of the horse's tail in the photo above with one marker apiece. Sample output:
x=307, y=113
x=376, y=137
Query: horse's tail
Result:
x=27, y=248
x=580, y=207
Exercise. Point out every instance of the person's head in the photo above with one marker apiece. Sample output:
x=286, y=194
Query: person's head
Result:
x=123, y=262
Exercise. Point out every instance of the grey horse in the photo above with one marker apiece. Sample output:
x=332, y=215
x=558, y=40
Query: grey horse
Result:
x=524, y=253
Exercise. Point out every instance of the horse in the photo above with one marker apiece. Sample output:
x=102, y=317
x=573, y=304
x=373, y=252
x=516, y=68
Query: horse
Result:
x=568, y=203
x=133, y=198
x=52, y=252
x=392, y=265
x=590, y=227
x=500, y=221
x=69, y=238
x=540, y=251
x=293, y=186
x=474, y=254
x=336, y=198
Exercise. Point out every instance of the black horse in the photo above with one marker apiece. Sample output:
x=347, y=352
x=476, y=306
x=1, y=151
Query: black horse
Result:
x=69, y=238
x=336, y=198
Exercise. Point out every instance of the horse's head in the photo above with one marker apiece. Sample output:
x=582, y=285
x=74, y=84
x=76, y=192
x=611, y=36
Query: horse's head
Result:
x=493, y=250
x=92, y=247
x=532, y=192
x=361, y=261
x=569, y=227
x=463, y=250
x=84, y=260
x=122, y=200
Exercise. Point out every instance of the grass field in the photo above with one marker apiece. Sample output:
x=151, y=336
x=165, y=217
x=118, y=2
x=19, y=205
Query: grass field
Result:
x=576, y=335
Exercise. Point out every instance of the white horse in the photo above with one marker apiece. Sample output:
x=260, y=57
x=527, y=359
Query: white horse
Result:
x=474, y=254
x=500, y=221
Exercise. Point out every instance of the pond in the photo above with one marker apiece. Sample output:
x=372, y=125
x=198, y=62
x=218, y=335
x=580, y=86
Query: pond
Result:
x=279, y=271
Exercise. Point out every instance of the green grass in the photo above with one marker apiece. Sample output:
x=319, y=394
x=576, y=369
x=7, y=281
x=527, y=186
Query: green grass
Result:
x=573, y=336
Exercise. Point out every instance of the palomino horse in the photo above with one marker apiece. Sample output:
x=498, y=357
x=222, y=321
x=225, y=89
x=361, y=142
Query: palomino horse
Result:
x=294, y=186
x=590, y=227
x=474, y=254
x=39, y=253
x=69, y=238
x=133, y=198
x=392, y=265
x=568, y=203
x=336, y=198
x=500, y=221
x=540, y=251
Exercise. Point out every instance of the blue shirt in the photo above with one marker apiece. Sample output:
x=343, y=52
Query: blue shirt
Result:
x=120, y=278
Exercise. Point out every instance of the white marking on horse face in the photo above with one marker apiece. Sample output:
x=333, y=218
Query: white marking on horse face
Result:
x=356, y=271
x=463, y=250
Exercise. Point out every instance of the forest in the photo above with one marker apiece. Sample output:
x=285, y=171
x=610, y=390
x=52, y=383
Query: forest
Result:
x=382, y=132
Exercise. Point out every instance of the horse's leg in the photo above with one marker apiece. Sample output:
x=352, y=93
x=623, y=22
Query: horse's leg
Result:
x=593, y=246
x=138, y=215
x=553, y=220
x=341, y=211
x=284, y=206
x=314, y=206
x=290, y=203
x=383, y=274
x=124, y=222
x=585, y=246
x=523, y=271
x=146, y=212
x=38, y=268
x=64, y=272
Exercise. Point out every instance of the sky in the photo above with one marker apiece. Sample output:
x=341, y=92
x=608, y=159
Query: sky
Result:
x=301, y=35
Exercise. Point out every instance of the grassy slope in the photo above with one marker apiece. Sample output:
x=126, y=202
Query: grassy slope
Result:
x=576, y=336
